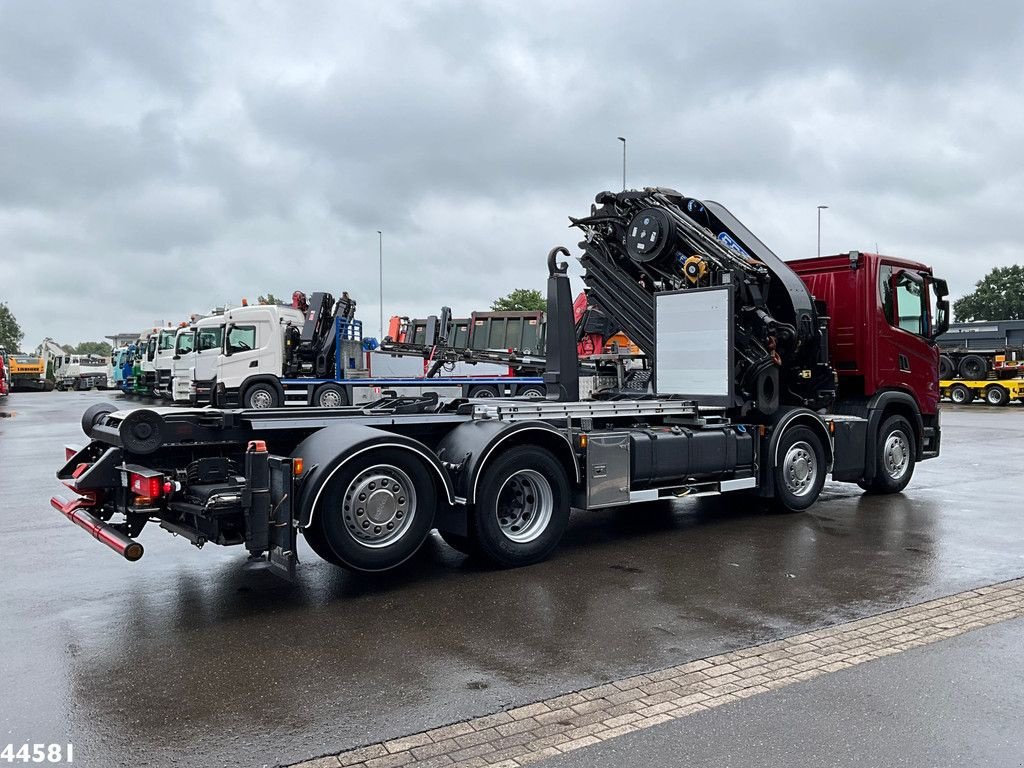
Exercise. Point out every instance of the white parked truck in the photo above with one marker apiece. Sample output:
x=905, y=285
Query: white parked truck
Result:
x=196, y=350
x=276, y=355
x=80, y=372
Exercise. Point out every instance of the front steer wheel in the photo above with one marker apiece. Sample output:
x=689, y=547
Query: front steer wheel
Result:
x=261, y=395
x=521, y=508
x=375, y=512
x=895, y=449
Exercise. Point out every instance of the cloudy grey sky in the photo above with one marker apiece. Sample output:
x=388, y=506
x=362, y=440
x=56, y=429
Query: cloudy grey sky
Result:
x=159, y=158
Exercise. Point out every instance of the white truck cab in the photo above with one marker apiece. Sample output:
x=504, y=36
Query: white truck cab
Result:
x=252, y=355
x=182, y=363
x=209, y=340
x=163, y=361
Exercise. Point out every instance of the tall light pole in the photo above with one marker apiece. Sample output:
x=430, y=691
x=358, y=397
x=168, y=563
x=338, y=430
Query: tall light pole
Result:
x=820, y=209
x=623, y=140
x=380, y=255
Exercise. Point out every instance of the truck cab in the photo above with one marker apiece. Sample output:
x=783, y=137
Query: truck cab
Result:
x=197, y=349
x=115, y=372
x=884, y=316
x=252, y=354
x=163, y=361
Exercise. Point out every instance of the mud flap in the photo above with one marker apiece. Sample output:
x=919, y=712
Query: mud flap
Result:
x=282, y=535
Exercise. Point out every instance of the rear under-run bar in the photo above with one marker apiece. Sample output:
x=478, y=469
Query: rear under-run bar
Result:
x=128, y=548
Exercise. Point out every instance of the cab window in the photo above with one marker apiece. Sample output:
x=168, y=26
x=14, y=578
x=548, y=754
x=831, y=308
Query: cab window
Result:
x=185, y=342
x=886, y=293
x=241, y=338
x=210, y=338
x=166, y=340
x=911, y=305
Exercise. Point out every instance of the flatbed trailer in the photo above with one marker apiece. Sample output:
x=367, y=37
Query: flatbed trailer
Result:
x=994, y=392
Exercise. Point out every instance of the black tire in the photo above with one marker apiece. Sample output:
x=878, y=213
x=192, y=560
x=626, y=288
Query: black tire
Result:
x=532, y=391
x=894, y=461
x=93, y=414
x=483, y=390
x=947, y=368
x=522, y=507
x=973, y=368
x=800, y=472
x=961, y=394
x=315, y=538
x=997, y=395
x=261, y=395
x=351, y=535
x=330, y=396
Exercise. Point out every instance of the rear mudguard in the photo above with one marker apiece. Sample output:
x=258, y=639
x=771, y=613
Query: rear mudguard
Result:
x=469, y=447
x=328, y=450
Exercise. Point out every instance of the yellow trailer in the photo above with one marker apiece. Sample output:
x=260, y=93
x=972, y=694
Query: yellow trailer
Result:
x=1001, y=392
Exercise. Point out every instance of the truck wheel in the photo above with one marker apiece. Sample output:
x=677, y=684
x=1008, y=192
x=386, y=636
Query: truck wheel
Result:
x=483, y=390
x=947, y=370
x=961, y=394
x=376, y=511
x=894, y=457
x=261, y=395
x=533, y=392
x=330, y=396
x=800, y=472
x=522, y=507
x=997, y=395
x=973, y=367
x=315, y=538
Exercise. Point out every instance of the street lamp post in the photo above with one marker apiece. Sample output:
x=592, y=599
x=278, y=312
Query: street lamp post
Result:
x=820, y=209
x=623, y=140
x=380, y=255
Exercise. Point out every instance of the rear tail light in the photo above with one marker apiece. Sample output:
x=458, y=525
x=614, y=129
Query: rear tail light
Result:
x=141, y=485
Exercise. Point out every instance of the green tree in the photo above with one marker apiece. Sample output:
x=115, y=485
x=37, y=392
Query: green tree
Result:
x=10, y=332
x=1000, y=296
x=269, y=299
x=100, y=348
x=520, y=300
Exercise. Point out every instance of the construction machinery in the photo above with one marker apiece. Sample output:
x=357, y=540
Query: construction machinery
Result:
x=28, y=373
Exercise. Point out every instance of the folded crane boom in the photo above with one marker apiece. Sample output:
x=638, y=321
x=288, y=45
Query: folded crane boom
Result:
x=644, y=242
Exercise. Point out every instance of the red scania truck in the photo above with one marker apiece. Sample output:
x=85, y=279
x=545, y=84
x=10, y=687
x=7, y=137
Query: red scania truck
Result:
x=766, y=378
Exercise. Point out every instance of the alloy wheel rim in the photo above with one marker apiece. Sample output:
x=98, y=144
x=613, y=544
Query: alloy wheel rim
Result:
x=799, y=469
x=525, y=506
x=896, y=455
x=379, y=506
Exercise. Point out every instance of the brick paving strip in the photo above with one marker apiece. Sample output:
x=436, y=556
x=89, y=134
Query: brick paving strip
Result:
x=523, y=735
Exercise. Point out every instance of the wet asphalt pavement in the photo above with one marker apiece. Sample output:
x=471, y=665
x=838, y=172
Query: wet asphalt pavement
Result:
x=186, y=657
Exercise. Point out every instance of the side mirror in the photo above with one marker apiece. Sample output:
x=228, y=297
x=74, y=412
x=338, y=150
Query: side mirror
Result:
x=941, y=323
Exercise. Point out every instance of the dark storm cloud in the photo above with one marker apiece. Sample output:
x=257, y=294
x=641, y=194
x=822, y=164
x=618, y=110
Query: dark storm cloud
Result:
x=157, y=159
